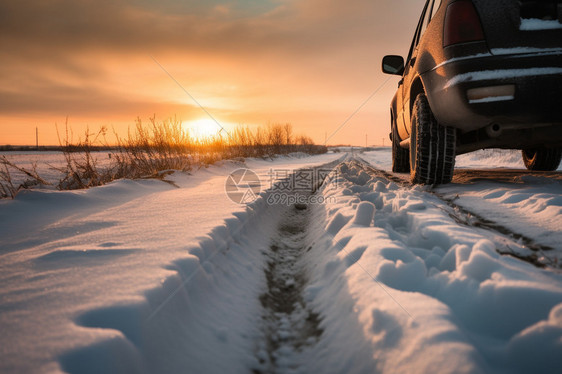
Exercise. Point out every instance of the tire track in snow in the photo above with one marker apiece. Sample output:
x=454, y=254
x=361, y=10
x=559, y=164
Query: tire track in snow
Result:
x=289, y=325
x=538, y=252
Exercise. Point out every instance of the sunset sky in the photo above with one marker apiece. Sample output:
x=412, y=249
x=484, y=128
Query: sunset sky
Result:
x=311, y=63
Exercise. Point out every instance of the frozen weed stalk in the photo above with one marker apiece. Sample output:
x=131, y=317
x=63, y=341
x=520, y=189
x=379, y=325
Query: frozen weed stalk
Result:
x=153, y=150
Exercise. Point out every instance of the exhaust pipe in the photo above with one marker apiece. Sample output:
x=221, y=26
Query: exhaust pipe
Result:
x=494, y=130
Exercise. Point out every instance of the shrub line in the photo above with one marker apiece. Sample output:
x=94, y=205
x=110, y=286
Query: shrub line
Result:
x=151, y=149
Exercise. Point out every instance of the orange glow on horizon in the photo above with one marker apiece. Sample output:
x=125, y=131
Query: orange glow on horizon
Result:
x=202, y=129
x=311, y=64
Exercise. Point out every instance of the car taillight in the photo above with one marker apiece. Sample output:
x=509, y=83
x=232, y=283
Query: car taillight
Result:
x=462, y=24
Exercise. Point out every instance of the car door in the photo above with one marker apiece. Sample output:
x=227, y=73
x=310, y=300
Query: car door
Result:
x=403, y=118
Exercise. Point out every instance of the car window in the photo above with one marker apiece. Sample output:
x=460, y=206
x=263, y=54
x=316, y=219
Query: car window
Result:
x=436, y=6
x=426, y=19
x=419, y=30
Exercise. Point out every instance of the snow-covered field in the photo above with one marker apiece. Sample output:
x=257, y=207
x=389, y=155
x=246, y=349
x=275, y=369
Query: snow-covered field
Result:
x=364, y=275
x=49, y=165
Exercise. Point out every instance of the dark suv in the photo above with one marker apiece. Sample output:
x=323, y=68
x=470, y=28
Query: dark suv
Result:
x=479, y=74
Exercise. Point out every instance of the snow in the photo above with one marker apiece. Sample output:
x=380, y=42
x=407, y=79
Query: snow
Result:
x=532, y=24
x=524, y=50
x=490, y=158
x=492, y=99
x=145, y=277
x=501, y=74
x=48, y=164
x=524, y=204
x=112, y=252
x=456, y=59
x=428, y=294
x=536, y=202
x=504, y=51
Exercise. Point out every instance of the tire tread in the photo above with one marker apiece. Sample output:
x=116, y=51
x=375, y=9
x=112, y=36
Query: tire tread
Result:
x=400, y=156
x=435, y=146
x=542, y=159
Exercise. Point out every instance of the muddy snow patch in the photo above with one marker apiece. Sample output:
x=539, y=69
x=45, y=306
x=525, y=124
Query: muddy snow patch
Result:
x=289, y=325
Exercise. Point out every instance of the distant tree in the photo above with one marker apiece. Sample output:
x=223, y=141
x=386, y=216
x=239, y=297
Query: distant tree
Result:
x=275, y=137
x=288, y=129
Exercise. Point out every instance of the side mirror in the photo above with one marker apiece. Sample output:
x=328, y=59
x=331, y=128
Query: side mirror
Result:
x=393, y=65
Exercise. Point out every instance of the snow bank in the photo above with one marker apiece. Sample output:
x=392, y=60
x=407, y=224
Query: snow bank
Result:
x=47, y=164
x=145, y=277
x=179, y=327
x=118, y=278
x=423, y=293
x=482, y=159
x=526, y=205
x=531, y=206
x=491, y=158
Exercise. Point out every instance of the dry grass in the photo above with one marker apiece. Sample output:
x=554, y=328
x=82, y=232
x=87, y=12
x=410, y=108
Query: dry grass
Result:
x=7, y=187
x=153, y=148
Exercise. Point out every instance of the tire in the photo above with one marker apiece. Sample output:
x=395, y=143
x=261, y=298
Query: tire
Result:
x=400, y=156
x=542, y=159
x=432, y=146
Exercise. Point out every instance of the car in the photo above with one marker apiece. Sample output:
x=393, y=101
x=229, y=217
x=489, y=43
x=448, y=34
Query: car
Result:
x=479, y=74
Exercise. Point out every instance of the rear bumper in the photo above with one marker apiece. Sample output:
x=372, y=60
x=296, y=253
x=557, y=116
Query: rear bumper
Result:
x=536, y=100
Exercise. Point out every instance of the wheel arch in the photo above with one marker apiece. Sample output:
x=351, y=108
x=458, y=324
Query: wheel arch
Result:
x=416, y=88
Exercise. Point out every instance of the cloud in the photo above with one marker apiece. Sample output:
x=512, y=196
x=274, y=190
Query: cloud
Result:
x=279, y=56
x=77, y=102
x=306, y=26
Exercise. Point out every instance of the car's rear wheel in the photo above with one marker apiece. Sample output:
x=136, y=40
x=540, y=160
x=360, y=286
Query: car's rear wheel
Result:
x=542, y=159
x=400, y=156
x=432, y=146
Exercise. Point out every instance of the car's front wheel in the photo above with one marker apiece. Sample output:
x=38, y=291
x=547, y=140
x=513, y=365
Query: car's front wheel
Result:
x=432, y=146
x=542, y=159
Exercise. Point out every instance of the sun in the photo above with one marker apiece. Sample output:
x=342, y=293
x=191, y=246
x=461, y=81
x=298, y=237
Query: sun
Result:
x=202, y=129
